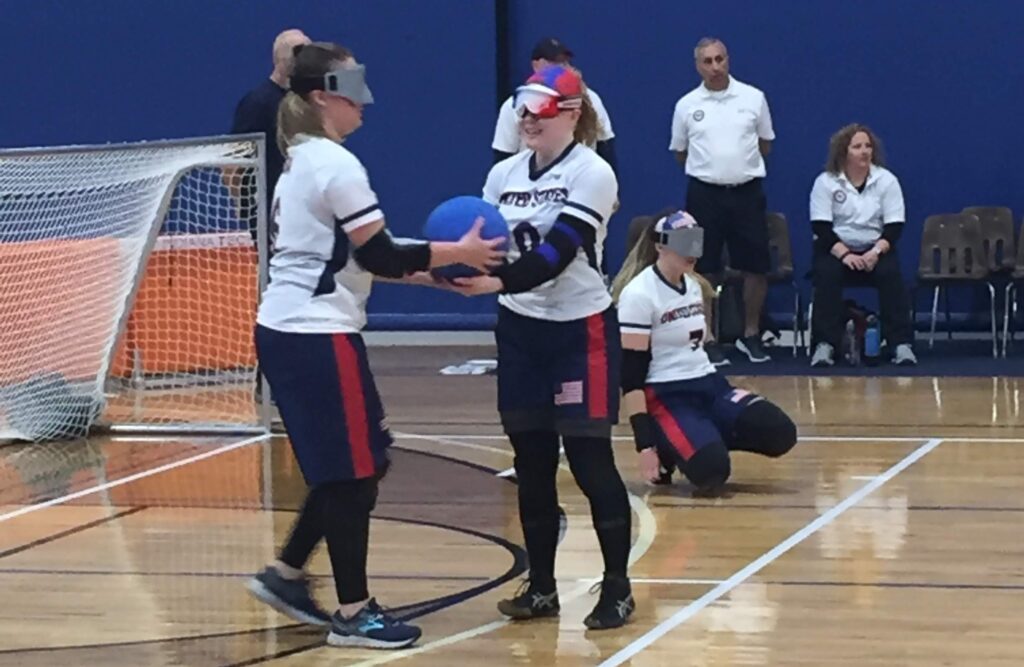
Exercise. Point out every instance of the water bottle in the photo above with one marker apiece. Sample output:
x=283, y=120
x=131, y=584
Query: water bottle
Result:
x=851, y=344
x=872, y=341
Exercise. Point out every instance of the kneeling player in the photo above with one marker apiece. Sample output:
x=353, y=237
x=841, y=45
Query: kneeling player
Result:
x=683, y=413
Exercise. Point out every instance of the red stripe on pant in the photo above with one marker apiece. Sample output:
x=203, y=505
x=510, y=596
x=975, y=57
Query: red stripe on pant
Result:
x=668, y=425
x=354, y=404
x=597, y=368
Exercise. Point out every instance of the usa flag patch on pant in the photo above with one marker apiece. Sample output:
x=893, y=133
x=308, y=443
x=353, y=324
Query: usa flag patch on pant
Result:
x=571, y=393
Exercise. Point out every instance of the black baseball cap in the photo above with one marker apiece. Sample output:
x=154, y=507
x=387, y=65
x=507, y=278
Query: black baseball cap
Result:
x=551, y=49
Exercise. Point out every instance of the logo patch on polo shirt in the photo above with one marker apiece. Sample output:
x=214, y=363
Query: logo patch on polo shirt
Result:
x=698, y=115
x=839, y=196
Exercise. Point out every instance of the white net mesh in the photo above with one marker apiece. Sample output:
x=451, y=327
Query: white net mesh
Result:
x=75, y=227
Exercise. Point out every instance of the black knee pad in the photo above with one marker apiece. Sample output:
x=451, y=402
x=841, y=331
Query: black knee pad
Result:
x=709, y=466
x=593, y=466
x=764, y=428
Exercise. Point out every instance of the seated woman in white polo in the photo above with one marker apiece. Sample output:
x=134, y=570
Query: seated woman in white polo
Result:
x=857, y=215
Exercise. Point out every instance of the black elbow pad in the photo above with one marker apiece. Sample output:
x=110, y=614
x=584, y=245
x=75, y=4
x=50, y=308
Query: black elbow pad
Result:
x=634, y=369
x=381, y=256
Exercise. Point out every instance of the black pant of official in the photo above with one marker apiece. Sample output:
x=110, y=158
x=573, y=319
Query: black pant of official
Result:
x=831, y=275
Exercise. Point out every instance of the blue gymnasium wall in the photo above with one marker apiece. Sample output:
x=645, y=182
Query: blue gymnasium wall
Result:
x=941, y=83
x=90, y=71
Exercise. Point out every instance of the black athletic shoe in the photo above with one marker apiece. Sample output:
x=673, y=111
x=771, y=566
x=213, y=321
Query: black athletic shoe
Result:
x=291, y=597
x=753, y=348
x=531, y=601
x=715, y=355
x=615, y=605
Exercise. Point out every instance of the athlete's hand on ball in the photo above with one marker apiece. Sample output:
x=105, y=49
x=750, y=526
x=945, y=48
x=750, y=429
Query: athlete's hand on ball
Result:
x=477, y=285
x=480, y=253
x=650, y=466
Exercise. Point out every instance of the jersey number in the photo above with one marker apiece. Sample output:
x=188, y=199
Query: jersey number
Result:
x=526, y=236
x=696, y=337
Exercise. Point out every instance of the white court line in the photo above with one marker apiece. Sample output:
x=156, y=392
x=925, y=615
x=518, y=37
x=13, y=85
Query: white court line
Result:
x=808, y=438
x=646, y=531
x=687, y=612
x=28, y=509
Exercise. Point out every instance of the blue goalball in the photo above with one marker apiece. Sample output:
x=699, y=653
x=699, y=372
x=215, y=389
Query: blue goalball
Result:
x=453, y=218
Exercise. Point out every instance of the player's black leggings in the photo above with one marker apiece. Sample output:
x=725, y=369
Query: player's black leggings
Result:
x=340, y=513
x=593, y=465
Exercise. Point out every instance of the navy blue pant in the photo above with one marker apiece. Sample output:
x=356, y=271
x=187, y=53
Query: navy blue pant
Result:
x=558, y=376
x=698, y=413
x=328, y=402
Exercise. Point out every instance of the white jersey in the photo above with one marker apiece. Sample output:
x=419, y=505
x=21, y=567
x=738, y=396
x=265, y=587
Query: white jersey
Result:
x=316, y=286
x=506, y=131
x=674, y=319
x=582, y=185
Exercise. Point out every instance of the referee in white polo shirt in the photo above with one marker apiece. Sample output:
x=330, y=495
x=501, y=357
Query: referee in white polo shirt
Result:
x=857, y=214
x=721, y=132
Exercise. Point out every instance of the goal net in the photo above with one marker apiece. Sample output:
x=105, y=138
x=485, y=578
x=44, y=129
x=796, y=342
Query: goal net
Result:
x=129, y=281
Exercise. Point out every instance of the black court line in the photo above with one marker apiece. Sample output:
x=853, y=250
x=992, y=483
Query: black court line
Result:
x=71, y=531
x=860, y=426
x=784, y=506
x=404, y=612
x=221, y=575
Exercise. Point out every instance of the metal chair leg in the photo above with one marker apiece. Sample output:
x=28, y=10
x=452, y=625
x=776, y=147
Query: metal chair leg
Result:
x=810, y=327
x=935, y=316
x=798, y=334
x=992, y=307
x=1011, y=293
x=949, y=324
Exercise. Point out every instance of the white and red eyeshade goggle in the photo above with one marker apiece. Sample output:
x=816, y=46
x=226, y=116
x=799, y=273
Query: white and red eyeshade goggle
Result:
x=542, y=102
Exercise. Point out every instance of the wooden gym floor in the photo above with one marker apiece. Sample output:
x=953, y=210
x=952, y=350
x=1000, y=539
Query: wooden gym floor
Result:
x=893, y=534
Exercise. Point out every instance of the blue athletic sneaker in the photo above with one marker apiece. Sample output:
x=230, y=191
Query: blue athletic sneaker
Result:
x=291, y=597
x=372, y=627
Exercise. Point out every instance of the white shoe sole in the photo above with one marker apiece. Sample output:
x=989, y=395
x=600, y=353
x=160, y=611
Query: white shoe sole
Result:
x=745, y=350
x=266, y=596
x=360, y=641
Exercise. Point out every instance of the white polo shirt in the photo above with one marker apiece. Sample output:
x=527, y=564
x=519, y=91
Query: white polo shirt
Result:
x=719, y=130
x=506, y=131
x=858, y=217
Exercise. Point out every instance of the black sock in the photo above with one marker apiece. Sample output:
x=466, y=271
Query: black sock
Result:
x=536, y=466
x=307, y=531
x=593, y=466
x=346, y=518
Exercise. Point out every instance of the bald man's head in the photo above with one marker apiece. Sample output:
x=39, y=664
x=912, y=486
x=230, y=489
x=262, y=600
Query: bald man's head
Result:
x=283, y=45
